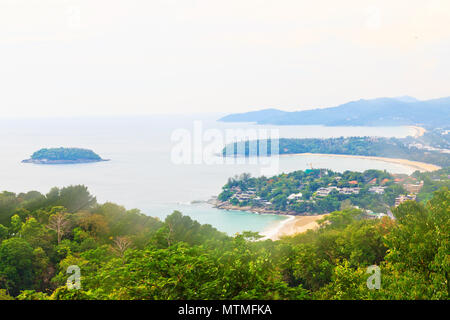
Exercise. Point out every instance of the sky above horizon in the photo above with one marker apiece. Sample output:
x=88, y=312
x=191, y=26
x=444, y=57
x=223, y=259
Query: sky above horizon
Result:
x=115, y=57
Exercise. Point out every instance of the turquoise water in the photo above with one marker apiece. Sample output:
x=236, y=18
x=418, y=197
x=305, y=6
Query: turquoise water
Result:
x=141, y=173
x=229, y=221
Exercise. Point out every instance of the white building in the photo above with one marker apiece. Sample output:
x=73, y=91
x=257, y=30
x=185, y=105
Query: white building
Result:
x=295, y=196
x=377, y=190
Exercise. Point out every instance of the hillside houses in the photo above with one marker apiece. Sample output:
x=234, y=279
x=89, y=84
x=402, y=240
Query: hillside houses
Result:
x=413, y=188
x=295, y=196
x=377, y=189
x=349, y=190
x=240, y=195
x=312, y=191
x=323, y=192
x=400, y=199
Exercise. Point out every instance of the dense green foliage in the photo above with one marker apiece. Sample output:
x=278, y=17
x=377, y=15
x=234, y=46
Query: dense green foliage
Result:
x=278, y=188
x=362, y=146
x=433, y=181
x=127, y=255
x=38, y=232
x=65, y=154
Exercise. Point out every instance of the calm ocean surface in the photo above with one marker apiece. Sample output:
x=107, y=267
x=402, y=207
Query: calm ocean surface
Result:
x=141, y=173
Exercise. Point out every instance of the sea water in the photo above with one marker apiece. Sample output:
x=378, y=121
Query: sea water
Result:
x=142, y=173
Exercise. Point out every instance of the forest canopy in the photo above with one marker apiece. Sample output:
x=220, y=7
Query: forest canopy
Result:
x=65, y=154
x=361, y=146
x=124, y=254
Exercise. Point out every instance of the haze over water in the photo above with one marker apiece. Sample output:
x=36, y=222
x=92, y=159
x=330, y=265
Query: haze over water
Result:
x=141, y=173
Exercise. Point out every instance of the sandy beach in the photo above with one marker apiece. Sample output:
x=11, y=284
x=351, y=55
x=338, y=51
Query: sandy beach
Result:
x=292, y=225
x=298, y=224
x=416, y=165
x=419, y=131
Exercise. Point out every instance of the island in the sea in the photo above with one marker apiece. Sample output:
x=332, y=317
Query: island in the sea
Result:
x=64, y=156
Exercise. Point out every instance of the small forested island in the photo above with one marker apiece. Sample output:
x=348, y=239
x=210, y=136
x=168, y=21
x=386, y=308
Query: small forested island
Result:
x=64, y=156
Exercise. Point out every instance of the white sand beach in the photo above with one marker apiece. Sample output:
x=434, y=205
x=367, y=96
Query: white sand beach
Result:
x=416, y=165
x=419, y=131
x=291, y=226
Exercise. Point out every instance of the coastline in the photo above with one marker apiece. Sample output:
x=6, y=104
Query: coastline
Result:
x=50, y=162
x=421, y=166
x=419, y=131
x=291, y=226
x=257, y=210
x=295, y=224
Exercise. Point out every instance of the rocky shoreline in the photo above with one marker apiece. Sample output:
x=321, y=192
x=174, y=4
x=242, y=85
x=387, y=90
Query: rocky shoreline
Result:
x=227, y=206
x=46, y=161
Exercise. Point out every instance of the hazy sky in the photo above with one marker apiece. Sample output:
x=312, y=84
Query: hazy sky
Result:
x=77, y=57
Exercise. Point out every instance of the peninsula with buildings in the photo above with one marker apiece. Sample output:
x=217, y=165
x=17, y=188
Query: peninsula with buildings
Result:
x=320, y=191
x=64, y=156
x=428, y=149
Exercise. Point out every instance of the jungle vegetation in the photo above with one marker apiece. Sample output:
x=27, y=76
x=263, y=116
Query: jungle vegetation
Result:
x=124, y=254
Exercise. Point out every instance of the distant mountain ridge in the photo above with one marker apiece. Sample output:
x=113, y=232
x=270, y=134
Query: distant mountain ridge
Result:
x=374, y=112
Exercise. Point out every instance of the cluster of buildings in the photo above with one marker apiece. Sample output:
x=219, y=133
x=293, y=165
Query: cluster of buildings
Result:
x=295, y=196
x=248, y=195
x=377, y=189
x=413, y=189
x=323, y=192
x=429, y=148
x=243, y=195
x=400, y=199
x=261, y=202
